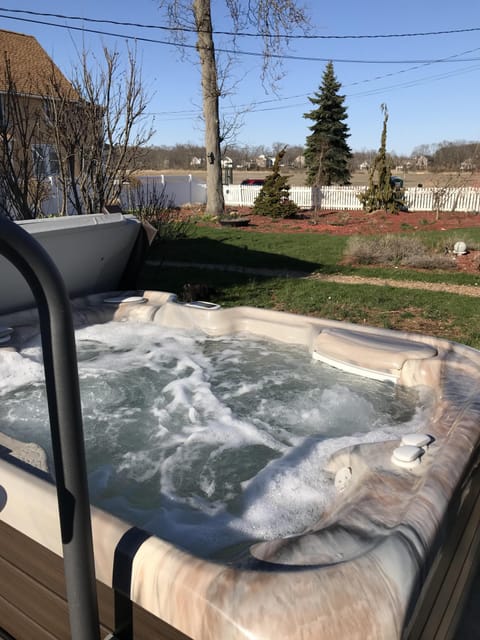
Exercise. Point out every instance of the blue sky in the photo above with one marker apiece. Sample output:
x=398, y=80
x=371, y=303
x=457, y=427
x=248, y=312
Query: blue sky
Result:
x=428, y=102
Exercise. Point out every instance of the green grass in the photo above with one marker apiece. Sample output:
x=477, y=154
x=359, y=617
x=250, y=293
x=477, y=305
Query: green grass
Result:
x=444, y=315
x=299, y=251
x=305, y=252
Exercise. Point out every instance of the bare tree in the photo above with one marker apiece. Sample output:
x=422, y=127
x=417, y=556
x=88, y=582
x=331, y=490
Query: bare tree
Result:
x=88, y=132
x=446, y=190
x=273, y=20
x=99, y=136
x=23, y=167
x=454, y=156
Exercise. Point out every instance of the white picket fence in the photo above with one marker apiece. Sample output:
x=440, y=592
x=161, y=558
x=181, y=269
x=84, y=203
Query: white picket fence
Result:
x=335, y=197
x=464, y=199
x=185, y=189
x=237, y=195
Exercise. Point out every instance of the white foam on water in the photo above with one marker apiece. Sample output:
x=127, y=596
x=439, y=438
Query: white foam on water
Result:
x=18, y=371
x=207, y=441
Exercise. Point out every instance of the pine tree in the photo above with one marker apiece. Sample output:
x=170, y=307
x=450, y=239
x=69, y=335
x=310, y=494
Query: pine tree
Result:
x=327, y=152
x=274, y=197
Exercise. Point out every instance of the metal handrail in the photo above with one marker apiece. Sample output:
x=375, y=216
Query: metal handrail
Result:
x=63, y=396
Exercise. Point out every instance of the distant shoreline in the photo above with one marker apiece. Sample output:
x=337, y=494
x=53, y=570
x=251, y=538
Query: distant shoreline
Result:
x=297, y=176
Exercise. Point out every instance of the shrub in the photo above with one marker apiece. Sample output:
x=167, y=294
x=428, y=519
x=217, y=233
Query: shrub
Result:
x=383, y=250
x=405, y=251
x=428, y=261
x=274, y=197
x=151, y=205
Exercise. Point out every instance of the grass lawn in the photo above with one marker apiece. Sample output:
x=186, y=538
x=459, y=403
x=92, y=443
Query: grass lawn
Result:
x=441, y=314
x=305, y=252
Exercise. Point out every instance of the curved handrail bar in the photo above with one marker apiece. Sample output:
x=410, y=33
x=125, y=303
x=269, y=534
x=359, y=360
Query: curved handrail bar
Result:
x=63, y=396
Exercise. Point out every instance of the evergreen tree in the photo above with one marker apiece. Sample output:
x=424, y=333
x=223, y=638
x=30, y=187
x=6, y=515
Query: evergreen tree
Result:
x=380, y=193
x=274, y=197
x=327, y=152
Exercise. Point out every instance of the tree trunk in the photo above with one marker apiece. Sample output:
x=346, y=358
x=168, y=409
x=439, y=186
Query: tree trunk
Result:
x=210, y=93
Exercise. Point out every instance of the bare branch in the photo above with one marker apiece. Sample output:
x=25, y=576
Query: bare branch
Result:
x=274, y=20
x=104, y=129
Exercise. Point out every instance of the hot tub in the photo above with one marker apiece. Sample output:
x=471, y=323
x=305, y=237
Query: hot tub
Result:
x=388, y=555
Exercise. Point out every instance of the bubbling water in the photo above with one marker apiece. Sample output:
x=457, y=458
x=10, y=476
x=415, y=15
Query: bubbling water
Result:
x=207, y=442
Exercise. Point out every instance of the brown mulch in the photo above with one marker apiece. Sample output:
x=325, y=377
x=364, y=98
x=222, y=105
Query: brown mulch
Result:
x=362, y=223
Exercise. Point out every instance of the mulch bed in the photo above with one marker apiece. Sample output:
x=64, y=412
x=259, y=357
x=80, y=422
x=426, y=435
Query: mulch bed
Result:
x=362, y=223
x=348, y=222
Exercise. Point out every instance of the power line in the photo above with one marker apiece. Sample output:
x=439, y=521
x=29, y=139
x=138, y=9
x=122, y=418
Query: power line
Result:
x=96, y=31
x=168, y=43
x=413, y=83
x=239, y=52
x=247, y=34
x=188, y=114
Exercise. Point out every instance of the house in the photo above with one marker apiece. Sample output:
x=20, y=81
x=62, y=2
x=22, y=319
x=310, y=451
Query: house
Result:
x=467, y=165
x=31, y=86
x=264, y=162
x=299, y=162
x=421, y=162
x=27, y=70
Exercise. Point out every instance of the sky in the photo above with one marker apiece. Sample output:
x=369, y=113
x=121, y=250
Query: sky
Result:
x=429, y=83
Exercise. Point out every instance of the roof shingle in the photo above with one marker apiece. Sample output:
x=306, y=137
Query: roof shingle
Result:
x=31, y=67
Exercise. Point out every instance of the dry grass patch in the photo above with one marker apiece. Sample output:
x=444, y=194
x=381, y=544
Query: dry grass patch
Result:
x=389, y=249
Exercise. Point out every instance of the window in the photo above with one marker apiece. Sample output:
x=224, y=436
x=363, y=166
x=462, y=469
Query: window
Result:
x=53, y=161
x=45, y=160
